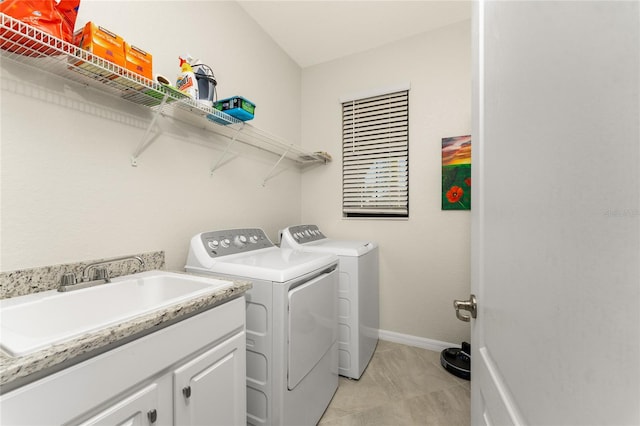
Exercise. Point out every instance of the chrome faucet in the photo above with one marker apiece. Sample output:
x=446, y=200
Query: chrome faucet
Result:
x=68, y=281
x=101, y=273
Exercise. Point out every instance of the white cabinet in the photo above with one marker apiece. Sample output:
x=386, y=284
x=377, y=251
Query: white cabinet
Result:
x=191, y=372
x=134, y=410
x=210, y=389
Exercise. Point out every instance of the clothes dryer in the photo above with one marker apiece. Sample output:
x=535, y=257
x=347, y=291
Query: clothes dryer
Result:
x=358, y=292
x=292, y=349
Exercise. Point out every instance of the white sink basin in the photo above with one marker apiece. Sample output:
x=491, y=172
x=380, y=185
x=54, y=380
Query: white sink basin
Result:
x=33, y=322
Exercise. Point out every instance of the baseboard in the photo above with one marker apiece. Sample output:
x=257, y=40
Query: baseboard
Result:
x=419, y=342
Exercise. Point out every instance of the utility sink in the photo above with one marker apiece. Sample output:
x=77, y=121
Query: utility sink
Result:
x=34, y=322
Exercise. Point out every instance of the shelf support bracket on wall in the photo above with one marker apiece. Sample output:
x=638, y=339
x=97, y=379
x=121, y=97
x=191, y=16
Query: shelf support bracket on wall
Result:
x=148, y=139
x=271, y=172
x=226, y=150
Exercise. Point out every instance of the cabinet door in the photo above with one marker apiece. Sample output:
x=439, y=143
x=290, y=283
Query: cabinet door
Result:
x=139, y=409
x=211, y=388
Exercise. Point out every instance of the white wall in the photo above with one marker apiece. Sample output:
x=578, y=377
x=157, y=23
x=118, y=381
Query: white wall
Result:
x=424, y=261
x=68, y=190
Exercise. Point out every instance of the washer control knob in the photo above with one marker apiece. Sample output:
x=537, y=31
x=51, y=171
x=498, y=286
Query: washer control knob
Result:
x=225, y=243
x=213, y=244
x=307, y=233
x=253, y=239
x=240, y=241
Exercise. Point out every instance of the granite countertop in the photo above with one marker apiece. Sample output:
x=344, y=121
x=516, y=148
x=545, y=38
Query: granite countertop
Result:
x=17, y=371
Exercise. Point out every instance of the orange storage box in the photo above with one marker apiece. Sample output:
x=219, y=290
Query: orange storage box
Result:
x=138, y=61
x=101, y=42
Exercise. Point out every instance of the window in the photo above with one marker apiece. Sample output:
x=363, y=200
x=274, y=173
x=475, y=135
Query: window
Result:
x=375, y=156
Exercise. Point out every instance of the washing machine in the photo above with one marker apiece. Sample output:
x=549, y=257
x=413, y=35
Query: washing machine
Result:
x=358, y=311
x=292, y=319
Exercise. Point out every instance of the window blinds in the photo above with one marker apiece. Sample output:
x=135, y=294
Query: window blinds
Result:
x=375, y=154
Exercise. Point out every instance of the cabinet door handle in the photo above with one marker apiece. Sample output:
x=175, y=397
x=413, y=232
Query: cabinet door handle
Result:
x=152, y=416
x=186, y=392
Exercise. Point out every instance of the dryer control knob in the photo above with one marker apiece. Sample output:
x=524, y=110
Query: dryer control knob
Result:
x=225, y=243
x=253, y=239
x=240, y=241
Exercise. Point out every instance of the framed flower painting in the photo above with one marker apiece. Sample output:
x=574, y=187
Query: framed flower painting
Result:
x=456, y=173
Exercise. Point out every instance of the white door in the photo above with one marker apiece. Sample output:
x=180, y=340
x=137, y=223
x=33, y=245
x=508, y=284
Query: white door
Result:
x=556, y=214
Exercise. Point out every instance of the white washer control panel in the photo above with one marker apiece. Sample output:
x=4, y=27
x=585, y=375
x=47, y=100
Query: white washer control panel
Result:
x=306, y=233
x=232, y=241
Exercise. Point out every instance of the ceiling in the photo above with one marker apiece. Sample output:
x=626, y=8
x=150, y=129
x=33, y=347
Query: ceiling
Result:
x=312, y=32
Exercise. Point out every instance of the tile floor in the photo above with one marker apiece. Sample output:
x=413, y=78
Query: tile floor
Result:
x=402, y=385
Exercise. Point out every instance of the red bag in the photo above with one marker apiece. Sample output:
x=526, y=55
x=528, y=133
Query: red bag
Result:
x=56, y=18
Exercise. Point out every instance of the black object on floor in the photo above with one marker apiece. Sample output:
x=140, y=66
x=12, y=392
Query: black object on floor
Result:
x=457, y=361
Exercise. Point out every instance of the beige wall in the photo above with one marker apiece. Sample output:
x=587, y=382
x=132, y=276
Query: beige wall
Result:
x=68, y=190
x=424, y=261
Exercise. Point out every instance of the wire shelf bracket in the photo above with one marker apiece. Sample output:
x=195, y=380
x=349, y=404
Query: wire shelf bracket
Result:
x=148, y=137
x=271, y=172
x=226, y=150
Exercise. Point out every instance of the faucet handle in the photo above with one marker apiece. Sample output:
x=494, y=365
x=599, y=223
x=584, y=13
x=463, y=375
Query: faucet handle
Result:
x=101, y=274
x=68, y=278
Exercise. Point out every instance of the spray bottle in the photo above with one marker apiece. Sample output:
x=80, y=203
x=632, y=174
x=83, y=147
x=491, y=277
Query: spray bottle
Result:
x=186, y=81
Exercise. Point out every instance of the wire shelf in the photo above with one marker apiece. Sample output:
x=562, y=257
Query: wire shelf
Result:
x=34, y=48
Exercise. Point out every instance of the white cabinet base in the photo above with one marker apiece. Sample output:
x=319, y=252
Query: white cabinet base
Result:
x=125, y=385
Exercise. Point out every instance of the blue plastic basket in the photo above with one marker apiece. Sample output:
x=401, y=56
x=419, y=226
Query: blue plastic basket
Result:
x=237, y=107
